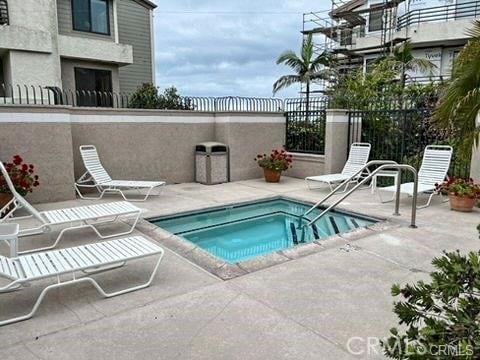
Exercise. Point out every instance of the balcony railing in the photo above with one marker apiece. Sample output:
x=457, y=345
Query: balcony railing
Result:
x=3, y=12
x=439, y=14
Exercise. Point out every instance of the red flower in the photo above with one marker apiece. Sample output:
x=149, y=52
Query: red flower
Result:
x=17, y=160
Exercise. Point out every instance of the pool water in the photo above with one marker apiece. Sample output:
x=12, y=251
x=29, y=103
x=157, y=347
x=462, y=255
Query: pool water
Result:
x=243, y=232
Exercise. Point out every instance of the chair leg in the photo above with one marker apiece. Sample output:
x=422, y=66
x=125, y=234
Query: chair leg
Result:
x=83, y=279
x=13, y=286
x=83, y=197
x=130, y=289
x=116, y=234
x=36, y=305
x=144, y=198
x=379, y=193
x=428, y=202
x=83, y=226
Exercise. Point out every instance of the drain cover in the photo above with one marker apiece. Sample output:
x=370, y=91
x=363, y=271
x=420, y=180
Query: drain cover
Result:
x=349, y=247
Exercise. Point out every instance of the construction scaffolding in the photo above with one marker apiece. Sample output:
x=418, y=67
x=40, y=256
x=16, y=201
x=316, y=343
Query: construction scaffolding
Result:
x=337, y=31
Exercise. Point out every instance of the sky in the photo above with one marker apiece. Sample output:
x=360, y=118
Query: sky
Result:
x=227, y=48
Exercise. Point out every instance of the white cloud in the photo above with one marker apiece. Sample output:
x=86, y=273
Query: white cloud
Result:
x=217, y=47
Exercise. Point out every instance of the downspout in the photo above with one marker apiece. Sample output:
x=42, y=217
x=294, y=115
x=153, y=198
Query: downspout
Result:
x=152, y=39
x=115, y=21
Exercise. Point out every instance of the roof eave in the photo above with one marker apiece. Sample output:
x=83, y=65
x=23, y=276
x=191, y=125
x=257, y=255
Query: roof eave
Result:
x=147, y=3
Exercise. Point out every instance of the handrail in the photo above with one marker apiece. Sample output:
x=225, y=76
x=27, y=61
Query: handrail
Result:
x=397, y=194
x=344, y=183
x=397, y=197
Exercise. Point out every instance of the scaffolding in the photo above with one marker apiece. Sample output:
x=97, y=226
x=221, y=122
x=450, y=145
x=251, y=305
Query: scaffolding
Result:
x=336, y=32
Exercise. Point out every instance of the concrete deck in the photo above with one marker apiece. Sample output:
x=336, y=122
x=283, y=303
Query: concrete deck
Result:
x=307, y=308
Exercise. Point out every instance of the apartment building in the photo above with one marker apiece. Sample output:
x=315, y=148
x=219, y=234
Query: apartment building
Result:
x=76, y=45
x=359, y=31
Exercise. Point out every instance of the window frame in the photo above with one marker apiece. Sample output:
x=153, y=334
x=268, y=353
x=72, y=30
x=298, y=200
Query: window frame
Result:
x=381, y=11
x=98, y=100
x=107, y=3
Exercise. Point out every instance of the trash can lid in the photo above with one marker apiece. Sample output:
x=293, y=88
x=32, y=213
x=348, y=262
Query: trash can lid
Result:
x=211, y=144
x=211, y=147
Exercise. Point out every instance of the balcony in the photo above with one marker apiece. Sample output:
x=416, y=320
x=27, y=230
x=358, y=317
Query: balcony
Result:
x=3, y=12
x=454, y=12
x=75, y=47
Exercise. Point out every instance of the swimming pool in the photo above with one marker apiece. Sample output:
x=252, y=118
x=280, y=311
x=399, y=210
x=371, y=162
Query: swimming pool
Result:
x=242, y=232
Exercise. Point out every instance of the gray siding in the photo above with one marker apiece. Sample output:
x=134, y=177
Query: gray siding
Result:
x=65, y=25
x=134, y=29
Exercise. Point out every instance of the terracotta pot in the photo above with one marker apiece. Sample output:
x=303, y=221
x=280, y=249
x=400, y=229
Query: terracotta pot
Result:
x=462, y=204
x=4, y=200
x=272, y=176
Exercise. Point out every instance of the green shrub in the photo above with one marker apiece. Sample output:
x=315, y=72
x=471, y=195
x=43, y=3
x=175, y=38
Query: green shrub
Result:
x=441, y=318
x=147, y=97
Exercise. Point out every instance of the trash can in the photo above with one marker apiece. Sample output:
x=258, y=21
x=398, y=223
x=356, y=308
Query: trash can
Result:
x=211, y=163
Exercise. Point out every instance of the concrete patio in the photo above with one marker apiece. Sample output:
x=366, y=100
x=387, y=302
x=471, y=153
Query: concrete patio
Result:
x=306, y=308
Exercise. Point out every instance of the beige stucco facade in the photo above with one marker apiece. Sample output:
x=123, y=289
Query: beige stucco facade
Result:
x=39, y=45
x=133, y=144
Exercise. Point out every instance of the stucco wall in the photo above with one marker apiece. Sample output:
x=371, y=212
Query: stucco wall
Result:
x=248, y=136
x=133, y=144
x=143, y=145
x=307, y=165
x=44, y=139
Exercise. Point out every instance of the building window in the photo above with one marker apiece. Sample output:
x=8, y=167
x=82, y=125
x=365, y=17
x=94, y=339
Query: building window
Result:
x=375, y=22
x=3, y=12
x=91, y=16
x=93, y=87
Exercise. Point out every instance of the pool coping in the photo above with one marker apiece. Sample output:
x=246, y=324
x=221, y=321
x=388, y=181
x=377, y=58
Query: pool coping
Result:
x=228, y=271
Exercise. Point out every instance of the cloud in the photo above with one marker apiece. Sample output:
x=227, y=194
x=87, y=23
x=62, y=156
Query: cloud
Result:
x=216, y=48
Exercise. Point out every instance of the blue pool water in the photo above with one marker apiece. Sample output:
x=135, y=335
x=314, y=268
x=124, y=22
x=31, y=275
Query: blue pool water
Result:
x=243, y=232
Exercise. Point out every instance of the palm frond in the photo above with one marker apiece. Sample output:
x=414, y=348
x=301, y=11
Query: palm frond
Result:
x=285, y=81
x=459, y=103
x=290, y=59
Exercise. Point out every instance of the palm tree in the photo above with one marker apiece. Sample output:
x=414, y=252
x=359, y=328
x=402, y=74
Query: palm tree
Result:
x=308, y=68
x=403, y=61
x=459, y=103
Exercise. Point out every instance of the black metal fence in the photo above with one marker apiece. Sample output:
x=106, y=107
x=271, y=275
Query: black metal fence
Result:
x=49, y=95
x=401, y=134
x=439, y=13
x=305, y=128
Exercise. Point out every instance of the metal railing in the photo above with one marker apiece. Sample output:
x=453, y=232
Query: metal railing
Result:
x=4, y=12
x=384, y=165
x=439, y=13
x=305, y=130
x=21, y=94
x=400, y=130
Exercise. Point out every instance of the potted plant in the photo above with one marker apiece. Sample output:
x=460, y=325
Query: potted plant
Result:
x=462, y=192
x=23, y=178
x=274, y=164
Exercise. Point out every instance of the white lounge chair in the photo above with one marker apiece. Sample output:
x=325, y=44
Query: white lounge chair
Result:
x=357, y=159
x=433, y=170
x=96, y=177
x=70, y=218
x=89, y=259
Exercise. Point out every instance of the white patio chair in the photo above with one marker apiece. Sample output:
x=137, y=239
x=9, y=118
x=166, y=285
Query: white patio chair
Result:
x=62, y=265
x=433, y=170
x=96, y=177
x=357, y=159
x=67, y=219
